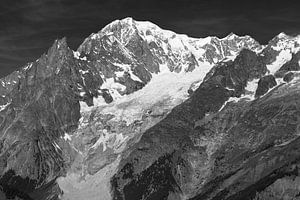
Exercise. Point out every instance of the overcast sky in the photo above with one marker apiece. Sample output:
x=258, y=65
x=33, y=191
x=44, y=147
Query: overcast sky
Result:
x=29, y=27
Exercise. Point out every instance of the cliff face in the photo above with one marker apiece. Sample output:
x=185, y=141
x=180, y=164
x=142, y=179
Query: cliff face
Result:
x=41, y=107
x=183, y=147
x=138, y=112
x=217, y=144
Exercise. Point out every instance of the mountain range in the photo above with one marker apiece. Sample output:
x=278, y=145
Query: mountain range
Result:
x=142, y=113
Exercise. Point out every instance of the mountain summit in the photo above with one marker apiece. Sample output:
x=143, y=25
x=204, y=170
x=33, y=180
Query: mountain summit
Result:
x=138, y=112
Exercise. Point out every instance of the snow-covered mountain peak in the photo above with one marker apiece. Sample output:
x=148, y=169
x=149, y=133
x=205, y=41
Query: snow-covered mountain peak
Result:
x=282, y=35
x=230, y=36
x=211, y=49
x=283, y=41
x=130, y=53
x=234, y=37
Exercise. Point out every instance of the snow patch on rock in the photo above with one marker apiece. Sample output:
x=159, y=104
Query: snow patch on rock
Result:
x=2, y=107
x=283, y=57
x=92, y=187
x=167, y=87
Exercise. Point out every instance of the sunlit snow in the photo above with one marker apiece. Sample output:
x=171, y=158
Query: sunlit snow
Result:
x=164, y=87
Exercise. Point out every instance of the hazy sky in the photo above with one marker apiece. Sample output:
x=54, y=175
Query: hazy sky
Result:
x=29, y=27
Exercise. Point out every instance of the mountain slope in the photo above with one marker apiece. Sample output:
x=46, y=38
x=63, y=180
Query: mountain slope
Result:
x=138, y=112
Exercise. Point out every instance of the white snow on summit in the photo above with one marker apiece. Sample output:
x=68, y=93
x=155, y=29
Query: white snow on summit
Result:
x=167, y=85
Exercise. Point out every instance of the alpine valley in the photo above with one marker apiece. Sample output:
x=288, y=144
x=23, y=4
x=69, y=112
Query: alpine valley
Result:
x=142, y=113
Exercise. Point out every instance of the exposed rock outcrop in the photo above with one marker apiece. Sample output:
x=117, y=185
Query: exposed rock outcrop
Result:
x=265, y=84
x=173, y=146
